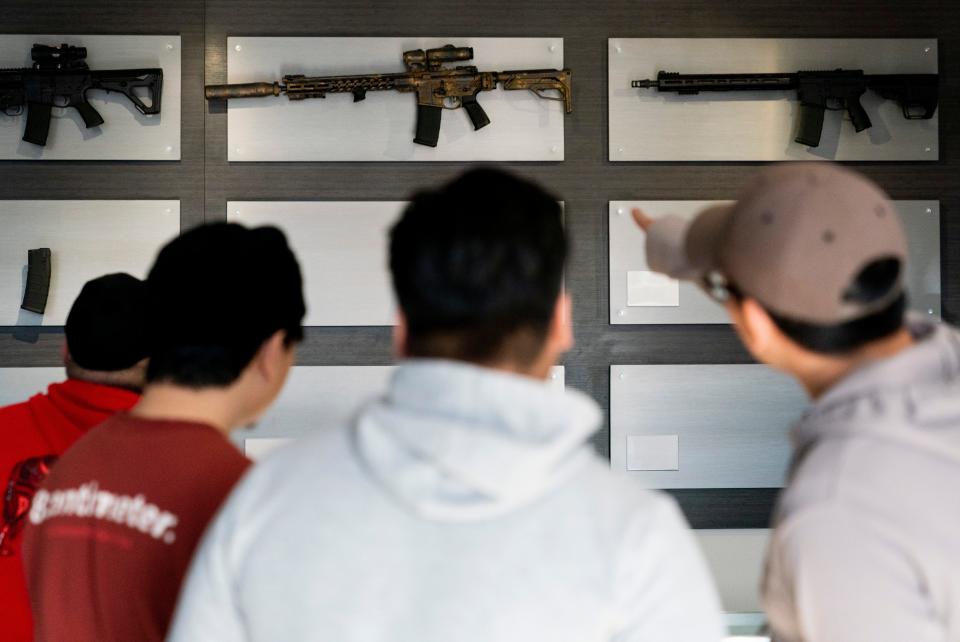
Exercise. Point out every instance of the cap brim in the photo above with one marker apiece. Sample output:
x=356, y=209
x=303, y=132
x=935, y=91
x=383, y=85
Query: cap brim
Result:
x=705, y=237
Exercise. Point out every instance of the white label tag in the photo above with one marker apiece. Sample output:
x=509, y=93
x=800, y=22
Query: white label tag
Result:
x=653, y=452
x=650, y=289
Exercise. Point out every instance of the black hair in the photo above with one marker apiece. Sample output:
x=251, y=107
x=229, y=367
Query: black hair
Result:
x=215, y=294
x=873, y=283
x=477, y=268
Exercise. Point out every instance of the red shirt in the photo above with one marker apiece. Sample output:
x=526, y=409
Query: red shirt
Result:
x=43, y=427
x=112, y=531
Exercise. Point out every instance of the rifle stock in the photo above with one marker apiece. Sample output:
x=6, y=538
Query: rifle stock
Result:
x=541, y=81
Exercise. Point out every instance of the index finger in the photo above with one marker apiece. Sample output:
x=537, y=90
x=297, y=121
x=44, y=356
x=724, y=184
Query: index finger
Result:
x=644, y=221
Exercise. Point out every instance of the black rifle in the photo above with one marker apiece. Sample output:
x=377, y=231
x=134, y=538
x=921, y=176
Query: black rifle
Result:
x=61, y=78
x=38, y=280
x=817, y=92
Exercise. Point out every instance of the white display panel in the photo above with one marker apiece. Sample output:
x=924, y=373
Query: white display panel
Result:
x=729, y=424
x=319, y=397
x=646, y=125
x=523, y=127
x=19, y=384
x=653, y=302
x=87, y=239
x=342, y=251
x=126, y=134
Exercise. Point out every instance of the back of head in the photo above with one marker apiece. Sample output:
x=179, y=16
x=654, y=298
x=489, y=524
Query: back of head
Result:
x=477, y=268
x=106, y=332
x=216, y=293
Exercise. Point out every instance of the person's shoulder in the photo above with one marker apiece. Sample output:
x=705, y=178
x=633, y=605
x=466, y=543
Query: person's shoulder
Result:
x=215, y=450
x=303, y=462
x=615, y=491
x=20, y=438
x=15, y=420
x=21, y=417
x=325, y=445
x=622, y=503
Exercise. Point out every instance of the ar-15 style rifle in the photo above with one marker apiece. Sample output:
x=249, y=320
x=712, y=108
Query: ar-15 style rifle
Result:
x=437, y=87
x=60, y=77
x=817, y=92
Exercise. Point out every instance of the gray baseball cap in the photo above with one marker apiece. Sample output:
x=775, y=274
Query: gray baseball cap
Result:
x=797, y=239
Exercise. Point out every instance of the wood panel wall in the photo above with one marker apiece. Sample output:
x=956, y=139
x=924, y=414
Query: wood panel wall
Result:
x=203, y=180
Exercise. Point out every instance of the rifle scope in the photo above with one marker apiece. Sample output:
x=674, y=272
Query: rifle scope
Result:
x=433, y=58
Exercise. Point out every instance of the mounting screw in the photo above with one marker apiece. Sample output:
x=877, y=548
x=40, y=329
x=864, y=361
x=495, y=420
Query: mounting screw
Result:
x=168, y=210
x=236, y=150
x=552, y=48
x=928, y=149
x=168, y=149
x=620, y=211
x=619, y=150
x=237, y=212
x=238, y=48
x=553, y=375
x=623, y=376
x=929, y=210
x=926, y=50
x=622, y=313
x=930, y=311
x=554, y=149
x=169, y=46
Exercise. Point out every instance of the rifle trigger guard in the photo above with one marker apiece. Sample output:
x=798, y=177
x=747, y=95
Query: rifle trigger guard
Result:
x=835, y=104
x=452, y=102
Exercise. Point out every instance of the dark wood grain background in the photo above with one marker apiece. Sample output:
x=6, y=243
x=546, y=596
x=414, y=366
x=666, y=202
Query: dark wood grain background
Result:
x=203, y=180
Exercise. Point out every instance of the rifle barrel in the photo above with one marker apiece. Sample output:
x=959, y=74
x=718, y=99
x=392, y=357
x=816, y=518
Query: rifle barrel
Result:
x=694, y=83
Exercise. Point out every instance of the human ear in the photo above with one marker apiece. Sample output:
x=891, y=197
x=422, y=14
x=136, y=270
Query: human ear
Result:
x=400, y=336
x=757, y=330
x=561, y=325
x=274, y=357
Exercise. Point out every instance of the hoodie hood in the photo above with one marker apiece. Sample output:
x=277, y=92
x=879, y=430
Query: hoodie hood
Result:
x=457, y=442
x=87, y=404
x=71, y=408
x=912, y=398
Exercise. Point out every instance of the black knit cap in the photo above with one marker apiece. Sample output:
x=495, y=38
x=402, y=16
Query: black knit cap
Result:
x=224, y=285
x=106, y=328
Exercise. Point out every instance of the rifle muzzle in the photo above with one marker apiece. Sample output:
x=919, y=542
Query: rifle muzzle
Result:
x=243, y=90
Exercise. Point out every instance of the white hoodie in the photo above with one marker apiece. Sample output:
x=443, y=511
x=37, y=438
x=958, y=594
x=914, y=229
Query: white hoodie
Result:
x=465, y=506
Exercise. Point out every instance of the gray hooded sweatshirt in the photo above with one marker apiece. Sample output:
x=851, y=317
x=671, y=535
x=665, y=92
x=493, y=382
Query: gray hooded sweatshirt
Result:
x=464, y=506
x=867, y=539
